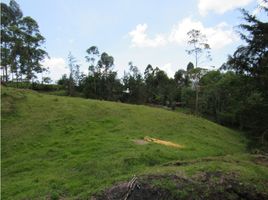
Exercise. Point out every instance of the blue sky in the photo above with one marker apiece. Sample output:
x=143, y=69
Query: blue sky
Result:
x=141, y=31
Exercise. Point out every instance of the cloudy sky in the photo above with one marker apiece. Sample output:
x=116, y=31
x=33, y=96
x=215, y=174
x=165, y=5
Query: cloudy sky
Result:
x=141, y=31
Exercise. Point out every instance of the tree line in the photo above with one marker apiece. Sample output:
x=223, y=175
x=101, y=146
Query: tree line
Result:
x=235, y=95
x=21, y=45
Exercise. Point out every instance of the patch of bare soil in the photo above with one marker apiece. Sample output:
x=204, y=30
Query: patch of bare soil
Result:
x=163, y=142
x=261, y=159
x=205, y=159
x=206, y=185
x=140, y=191
x=147, y=139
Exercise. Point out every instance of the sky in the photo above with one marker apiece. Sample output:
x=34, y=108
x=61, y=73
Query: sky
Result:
x=142, y=31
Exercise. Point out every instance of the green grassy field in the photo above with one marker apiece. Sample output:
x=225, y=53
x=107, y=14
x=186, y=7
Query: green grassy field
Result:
x=67, y=147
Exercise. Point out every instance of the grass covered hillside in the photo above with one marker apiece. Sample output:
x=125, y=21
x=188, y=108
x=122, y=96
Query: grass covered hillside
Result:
x=72, y=148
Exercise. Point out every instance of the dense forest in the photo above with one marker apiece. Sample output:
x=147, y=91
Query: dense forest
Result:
x=235, y=95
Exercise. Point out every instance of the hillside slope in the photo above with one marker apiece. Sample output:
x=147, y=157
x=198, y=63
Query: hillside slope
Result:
x=66, y=147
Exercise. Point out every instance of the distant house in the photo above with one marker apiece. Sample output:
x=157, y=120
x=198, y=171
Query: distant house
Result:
x=126, y=91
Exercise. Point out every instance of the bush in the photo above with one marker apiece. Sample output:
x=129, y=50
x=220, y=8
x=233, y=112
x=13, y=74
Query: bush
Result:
x=35, y=86
x=188, y=96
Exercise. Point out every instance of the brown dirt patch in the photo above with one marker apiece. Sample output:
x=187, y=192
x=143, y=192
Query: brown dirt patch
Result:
x=163, y=142
x=205, y=185
x=200, y=160
x=261, y=159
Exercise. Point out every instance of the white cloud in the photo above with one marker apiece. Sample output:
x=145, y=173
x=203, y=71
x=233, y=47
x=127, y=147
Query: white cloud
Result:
x=139, y=37
x=179, y=31
x=57, y=67
x=218, y=36
x=168, y=69
x=220, y=6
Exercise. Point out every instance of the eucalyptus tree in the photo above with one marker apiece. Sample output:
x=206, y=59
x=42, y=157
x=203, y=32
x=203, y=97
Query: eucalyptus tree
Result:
x=92, y=55
x=21, y=43
x=10, y=15
x=133, y=81
x=149, y=83
x=31, y=50
x=105, y=63
x=198, y=46
x=195, y=75
x=101, y=82
x=72, y=64
x=180, y=77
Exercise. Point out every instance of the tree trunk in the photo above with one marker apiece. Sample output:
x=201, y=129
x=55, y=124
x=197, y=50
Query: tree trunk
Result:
x=263, y=136
x=32, y=83
x=5, y=67
x=95, y=87
x=3, y=75
x=17, y=77
x=6, y=74
x=195, y=60
x=196, y=100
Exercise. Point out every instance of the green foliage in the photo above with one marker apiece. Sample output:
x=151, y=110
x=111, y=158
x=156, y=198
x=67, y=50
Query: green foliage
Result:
x=188, y=96
x=133, y=81
x=190, y=66
x=251, y=62
x=21, y=44
x=35, y=86
x=102, y=81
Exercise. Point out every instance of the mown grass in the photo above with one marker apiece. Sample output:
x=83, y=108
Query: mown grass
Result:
x=56, y=146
